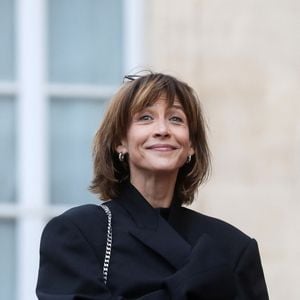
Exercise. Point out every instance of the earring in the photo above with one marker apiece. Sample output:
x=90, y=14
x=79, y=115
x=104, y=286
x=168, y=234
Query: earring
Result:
x=121, y=156
x=189, y=158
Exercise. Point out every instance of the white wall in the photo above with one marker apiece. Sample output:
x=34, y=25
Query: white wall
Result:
x=243, y=58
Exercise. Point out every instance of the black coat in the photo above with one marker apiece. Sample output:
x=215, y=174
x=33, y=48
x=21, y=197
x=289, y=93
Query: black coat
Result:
x=185, y=256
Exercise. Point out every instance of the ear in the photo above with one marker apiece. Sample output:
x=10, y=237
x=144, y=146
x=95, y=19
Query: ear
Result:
x=122, y=147
x=191, y=151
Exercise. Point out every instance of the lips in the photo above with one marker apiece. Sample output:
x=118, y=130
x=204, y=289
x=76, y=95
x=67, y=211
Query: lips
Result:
x=162, y=147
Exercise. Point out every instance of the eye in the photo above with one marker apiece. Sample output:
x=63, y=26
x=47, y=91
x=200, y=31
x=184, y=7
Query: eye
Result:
x=145, y=118
x=176, y=119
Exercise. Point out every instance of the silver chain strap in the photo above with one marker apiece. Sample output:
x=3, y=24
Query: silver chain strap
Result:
x=108, y=242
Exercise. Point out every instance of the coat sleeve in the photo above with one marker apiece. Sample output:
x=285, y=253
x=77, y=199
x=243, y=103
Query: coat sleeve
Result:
x=70, y=269
x=249, y=275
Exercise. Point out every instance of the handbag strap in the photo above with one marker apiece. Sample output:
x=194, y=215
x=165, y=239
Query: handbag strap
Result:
x=108, y=242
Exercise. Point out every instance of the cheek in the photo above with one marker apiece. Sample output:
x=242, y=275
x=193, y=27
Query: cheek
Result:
x=137, y=134
x=184, y=137
x=135, y=138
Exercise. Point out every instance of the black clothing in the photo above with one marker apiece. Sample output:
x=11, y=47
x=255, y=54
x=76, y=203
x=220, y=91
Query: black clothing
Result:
x=183, y=255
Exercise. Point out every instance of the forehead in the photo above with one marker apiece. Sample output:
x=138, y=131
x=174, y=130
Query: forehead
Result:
x=138, y=106
x=164, y=101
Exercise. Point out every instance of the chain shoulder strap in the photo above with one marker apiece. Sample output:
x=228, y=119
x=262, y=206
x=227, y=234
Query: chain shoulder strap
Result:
x=108, y=242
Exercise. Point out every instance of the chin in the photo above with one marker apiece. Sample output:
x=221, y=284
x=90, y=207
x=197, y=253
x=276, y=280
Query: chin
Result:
x=165, y=168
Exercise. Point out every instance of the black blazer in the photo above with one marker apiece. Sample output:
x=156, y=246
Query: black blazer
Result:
x=185, y=256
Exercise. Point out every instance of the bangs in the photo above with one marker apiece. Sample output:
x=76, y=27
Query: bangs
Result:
x=150, y=91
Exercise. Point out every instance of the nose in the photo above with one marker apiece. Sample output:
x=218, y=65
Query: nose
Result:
x=162, y=128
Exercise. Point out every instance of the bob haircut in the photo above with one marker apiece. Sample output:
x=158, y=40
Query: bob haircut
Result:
x=138, y=92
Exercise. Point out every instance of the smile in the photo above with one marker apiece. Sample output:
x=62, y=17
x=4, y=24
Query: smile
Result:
x=162, y=147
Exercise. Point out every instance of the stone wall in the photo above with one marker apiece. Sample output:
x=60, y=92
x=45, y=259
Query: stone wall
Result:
x=243, y=59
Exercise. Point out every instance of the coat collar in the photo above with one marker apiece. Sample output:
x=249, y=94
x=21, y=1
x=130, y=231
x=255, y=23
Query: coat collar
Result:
x=144, y=215
x=153, y=230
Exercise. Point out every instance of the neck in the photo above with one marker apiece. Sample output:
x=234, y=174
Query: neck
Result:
x=157, y=189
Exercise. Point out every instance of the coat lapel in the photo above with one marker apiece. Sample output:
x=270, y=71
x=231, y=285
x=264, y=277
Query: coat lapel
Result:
x=165, y=241
x=152, y=230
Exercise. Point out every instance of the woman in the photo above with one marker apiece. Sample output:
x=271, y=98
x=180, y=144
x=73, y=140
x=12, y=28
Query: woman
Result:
x=150, y=156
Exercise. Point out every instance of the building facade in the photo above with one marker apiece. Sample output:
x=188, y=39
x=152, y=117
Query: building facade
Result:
x=60, y=62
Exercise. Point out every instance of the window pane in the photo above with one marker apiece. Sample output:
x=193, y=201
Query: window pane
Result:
x=7, y=150
x=85, y=41
x=7, y=260
x=7, y=29
x=73, y=123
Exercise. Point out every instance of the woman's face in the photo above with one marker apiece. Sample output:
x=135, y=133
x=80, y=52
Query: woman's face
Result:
x=157, y=139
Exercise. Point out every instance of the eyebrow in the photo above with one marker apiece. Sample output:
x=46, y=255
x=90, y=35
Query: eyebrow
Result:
x=176, y=105
x=179, y=106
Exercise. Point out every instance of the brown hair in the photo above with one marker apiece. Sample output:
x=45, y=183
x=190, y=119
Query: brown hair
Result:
x=132, y=97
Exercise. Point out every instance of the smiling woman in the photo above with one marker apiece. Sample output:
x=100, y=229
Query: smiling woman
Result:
x=158, y=145
x=163, y=107
x=150, y=156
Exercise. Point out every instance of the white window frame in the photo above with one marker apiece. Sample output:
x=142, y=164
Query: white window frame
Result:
x=33, y=208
